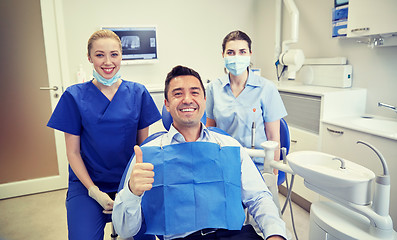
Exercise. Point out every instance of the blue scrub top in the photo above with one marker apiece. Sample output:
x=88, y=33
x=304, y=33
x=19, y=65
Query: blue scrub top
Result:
x=107, y=129
x=259, y=102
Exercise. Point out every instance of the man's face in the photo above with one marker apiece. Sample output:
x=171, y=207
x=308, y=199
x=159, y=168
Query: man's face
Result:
x=186, y=101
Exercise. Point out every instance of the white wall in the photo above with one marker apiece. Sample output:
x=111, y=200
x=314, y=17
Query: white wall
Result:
x=191, y=33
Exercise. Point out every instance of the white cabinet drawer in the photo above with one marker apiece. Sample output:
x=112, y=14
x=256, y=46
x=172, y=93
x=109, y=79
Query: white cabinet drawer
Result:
x=302, y=140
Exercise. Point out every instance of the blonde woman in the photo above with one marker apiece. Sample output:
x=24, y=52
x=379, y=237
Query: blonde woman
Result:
x=103, y=119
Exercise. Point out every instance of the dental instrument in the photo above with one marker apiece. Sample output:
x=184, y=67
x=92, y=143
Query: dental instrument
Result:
x=253, y=135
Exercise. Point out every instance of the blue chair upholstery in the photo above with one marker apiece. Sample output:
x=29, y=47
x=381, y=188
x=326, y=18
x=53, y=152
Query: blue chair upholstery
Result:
x=285, y=142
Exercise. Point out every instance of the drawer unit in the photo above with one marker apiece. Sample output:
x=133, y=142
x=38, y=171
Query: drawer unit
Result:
x=303, y=111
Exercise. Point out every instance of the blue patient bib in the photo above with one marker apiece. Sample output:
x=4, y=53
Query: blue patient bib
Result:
x=196, y=185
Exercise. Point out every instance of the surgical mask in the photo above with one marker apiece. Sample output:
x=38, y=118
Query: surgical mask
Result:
x=237, y=64
x=104, y=81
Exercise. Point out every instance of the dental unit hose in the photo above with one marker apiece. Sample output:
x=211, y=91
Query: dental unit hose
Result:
x=289, y=191
x=382, y=159
x=381, y=199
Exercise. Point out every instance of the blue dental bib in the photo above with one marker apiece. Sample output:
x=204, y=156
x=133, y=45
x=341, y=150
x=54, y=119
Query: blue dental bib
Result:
x=196, y=185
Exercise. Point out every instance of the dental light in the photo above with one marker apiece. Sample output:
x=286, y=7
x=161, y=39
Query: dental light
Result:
x=291, y=58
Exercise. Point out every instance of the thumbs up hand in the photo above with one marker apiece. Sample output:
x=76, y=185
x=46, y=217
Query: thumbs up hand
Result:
x=142, y=175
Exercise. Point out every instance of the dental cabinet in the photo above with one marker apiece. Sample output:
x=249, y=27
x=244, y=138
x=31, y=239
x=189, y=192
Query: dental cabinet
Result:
x=368, y=17
x=332, y=120
x=307, y=106
x=373, y=18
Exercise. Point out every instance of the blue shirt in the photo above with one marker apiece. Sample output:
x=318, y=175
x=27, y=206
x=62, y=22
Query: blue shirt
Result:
x=259, y=102
x=127, y=214
x=107, y=129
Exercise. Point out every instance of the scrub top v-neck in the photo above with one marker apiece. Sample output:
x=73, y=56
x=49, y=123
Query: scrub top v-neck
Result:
x=107, y=129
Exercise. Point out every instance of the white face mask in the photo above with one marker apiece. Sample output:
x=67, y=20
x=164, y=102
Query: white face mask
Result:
x=237, y=64
x=104, y=81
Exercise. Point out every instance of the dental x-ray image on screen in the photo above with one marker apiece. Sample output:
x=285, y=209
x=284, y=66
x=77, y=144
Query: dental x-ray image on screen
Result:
x=130, y=43
x=139, y=44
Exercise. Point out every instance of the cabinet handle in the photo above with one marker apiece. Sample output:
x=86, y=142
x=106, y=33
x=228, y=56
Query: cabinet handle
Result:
x=294, y=141
x=360, y=29
x=335, y=131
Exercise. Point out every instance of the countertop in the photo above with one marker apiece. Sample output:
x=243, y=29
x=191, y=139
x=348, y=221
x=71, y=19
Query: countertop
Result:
x=298, y=87
x=345, y=110
x=375, y=125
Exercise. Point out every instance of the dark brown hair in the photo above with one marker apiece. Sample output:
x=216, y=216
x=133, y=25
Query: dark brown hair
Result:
x=236, y=35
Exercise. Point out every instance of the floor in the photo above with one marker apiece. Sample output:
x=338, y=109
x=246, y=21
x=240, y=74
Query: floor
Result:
x=43, y=216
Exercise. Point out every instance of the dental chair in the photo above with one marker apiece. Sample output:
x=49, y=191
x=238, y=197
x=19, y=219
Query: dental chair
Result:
x=167, y=121
x=285, y=143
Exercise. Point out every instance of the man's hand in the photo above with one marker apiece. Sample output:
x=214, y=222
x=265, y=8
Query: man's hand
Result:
x=142, y=175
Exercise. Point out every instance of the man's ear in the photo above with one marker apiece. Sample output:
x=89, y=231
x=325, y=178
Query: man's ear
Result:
x=167, y=105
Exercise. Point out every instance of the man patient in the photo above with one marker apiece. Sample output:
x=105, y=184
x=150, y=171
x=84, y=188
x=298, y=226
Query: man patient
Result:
x=191, y=182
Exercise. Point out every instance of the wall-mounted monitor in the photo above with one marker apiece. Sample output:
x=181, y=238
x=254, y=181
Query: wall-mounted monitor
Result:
x=139, y=44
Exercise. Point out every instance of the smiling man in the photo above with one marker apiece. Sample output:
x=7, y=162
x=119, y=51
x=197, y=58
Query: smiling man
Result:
x=185, y=100
x=191, y=182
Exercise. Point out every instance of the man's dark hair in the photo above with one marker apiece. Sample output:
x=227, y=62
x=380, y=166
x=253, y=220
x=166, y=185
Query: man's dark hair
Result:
x=180, y=71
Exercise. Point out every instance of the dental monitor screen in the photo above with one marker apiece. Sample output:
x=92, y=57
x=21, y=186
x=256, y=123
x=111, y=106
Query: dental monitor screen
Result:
x=139, y=44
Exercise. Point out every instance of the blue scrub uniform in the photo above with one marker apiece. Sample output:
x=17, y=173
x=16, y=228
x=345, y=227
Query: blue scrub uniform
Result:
x=108, y=132
x=259, y=102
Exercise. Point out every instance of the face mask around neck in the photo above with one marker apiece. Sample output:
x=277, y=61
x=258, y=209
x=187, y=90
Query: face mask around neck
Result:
x=104, y=81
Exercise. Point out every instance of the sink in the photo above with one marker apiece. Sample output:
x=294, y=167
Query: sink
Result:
x=376, y=124
x=325, y=176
